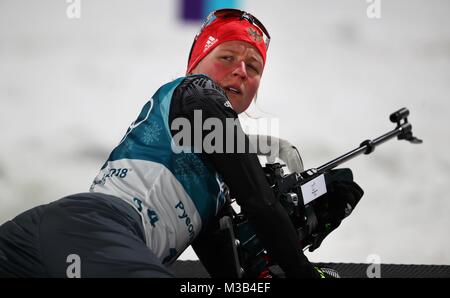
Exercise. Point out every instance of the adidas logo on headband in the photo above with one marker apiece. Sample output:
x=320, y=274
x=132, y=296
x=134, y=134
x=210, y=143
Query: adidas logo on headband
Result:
x=211, y=40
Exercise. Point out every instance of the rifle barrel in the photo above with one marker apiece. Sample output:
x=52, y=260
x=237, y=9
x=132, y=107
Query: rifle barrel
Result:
x=366, y=147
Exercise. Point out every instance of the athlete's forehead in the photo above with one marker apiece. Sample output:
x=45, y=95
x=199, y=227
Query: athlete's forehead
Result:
x=239, y=47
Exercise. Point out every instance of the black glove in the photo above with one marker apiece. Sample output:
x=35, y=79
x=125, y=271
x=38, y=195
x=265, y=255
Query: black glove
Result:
x=342, y=196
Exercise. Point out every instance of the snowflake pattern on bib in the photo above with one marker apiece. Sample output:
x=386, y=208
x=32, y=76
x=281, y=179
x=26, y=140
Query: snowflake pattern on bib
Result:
x=152, y=133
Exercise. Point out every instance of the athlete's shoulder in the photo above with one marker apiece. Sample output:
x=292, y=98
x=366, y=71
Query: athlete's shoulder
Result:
x=201, y=84
x=201, y=88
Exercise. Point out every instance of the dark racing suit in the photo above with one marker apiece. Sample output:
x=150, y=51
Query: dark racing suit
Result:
x=152, y=199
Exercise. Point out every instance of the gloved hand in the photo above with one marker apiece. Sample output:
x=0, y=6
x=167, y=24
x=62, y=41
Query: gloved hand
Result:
x=343, y=193
x=342, y=196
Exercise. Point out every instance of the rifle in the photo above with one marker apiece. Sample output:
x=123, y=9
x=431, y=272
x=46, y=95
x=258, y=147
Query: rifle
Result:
x=298, y=193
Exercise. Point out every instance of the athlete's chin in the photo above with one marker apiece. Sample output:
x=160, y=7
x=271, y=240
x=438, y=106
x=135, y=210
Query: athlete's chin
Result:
x=238, y=102
x=239, y=108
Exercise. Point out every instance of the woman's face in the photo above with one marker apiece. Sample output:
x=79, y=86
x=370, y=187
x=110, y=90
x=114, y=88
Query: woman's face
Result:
x=237, y=67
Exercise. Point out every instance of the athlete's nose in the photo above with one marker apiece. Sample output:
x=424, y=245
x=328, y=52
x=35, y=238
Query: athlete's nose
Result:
x=241, y=70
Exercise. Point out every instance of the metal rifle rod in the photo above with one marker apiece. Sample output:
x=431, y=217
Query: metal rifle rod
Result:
x=366, y=147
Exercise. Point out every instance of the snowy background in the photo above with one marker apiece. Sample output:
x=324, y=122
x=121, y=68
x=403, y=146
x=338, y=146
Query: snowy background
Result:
x=69, y=88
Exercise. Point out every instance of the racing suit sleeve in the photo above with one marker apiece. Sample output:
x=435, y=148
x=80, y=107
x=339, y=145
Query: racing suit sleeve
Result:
x=243, y=174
